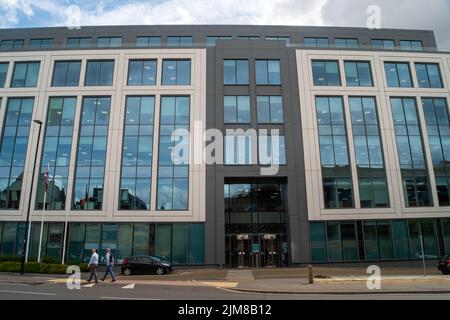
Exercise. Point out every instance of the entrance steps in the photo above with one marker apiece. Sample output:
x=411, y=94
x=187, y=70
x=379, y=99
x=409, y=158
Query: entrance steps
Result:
x=240, y=275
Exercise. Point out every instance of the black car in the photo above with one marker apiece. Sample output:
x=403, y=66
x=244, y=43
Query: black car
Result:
x=444, y=265
x=144, y=265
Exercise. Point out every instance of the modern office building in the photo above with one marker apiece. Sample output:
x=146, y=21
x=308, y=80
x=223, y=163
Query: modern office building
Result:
x=363, y=127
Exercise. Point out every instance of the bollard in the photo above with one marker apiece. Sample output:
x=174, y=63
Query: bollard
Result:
x=311, y=275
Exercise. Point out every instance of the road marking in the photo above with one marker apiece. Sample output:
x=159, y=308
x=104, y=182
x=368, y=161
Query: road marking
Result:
x=130, y=286
x=124, y=298
x=29, y=292
x=89, y=285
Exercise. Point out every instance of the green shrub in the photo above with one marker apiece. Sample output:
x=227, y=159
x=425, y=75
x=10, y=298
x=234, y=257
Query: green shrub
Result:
x=10, y=258
x=35, y=267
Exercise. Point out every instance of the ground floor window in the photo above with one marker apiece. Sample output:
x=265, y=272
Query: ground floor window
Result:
x=334, y=241
x=180, y=243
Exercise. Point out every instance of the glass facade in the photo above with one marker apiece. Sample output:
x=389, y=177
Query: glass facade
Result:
x=373, y=189
x=412, y=45
x=235, y=72
x=271, y=150
x=99, y=73
x=236, y=109
x=335, y=241
x=41, y=43
x=411, y=153
x=151, y=41
x=438, y=127
x=343, y=43
x=326, y=73
x=173, y=168
x=267, y=72
x=358, y=74
x=137, y=153
x=336, y=172
x=26, y=74
x=398, y=74
x=13, y=150
x=3, y=73
x=176, y=41
x=238, y=150
x=66, y=74
x=211, y=40
x=11, y=44
x=109, y=42
x=179, y=243
x=79, y=42
x=316, y=42
x=269, y=109
x=91, y=157
x=142, y=73
x=176, y=72
x=56, y=153
x=383, y=44
x=429, y=75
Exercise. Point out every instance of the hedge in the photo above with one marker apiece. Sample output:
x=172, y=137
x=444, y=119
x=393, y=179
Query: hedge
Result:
x=35, y=267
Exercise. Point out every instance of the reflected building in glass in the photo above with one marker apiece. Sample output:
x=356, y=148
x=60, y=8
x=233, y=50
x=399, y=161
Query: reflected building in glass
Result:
x=355, y=122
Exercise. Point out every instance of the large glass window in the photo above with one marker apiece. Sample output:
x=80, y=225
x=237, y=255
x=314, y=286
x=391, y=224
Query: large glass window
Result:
x=411, y=45
x=286, y=39
x=151, y=41
x=142, y=73
x=137, y=153
x=235, y=72
x=173, y=175
x=368, y=153
x=236, y=109
x=438, y=127
x=358, y=74
x=26, y=74
x=66, y=74
x=272, y=150
x=56, y=154
x=334, y=157
x=398, y=74
x=176, y=41
x=109, y=42
x=91, y=157
x=411, y=153
x=383, y=44
x=318, y=242
x=349, y=242
x=238, y=149
x=11, y=44
x=316, y=42
x=13, y=150
x=429, y=75
x=342, y=43
x=334, y=241
x=99, y=73
x=211, y=40
x=41, y=43
x=269, y=109
x=326, y=73
x=176, y=72
x=79, y=42
x=3, y=73
x=268, y=72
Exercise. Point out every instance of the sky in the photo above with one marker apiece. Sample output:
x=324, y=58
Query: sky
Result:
x=406, y=14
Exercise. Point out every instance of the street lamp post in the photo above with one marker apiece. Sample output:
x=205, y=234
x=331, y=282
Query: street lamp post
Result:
x=25, y=237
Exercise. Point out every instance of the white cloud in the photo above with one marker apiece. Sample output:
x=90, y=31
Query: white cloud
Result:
x=11, y=9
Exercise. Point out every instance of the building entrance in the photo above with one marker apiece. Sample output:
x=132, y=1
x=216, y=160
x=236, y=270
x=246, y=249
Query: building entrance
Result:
x=256, y=250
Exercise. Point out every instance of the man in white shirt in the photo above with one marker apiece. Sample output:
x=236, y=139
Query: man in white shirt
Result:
x=109, y=260
x=93, y=266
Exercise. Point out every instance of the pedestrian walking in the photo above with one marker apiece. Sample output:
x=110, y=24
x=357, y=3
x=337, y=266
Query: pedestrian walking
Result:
x=109, y=260
x=93, y=266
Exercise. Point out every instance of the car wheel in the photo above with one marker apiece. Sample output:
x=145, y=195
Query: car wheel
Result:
x=445, y=272
x=127, y=272
x=159, y=271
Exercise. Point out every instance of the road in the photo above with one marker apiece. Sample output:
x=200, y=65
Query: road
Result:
x=9, y=291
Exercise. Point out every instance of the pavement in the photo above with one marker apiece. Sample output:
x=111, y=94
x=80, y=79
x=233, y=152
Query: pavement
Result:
x=283, y=281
